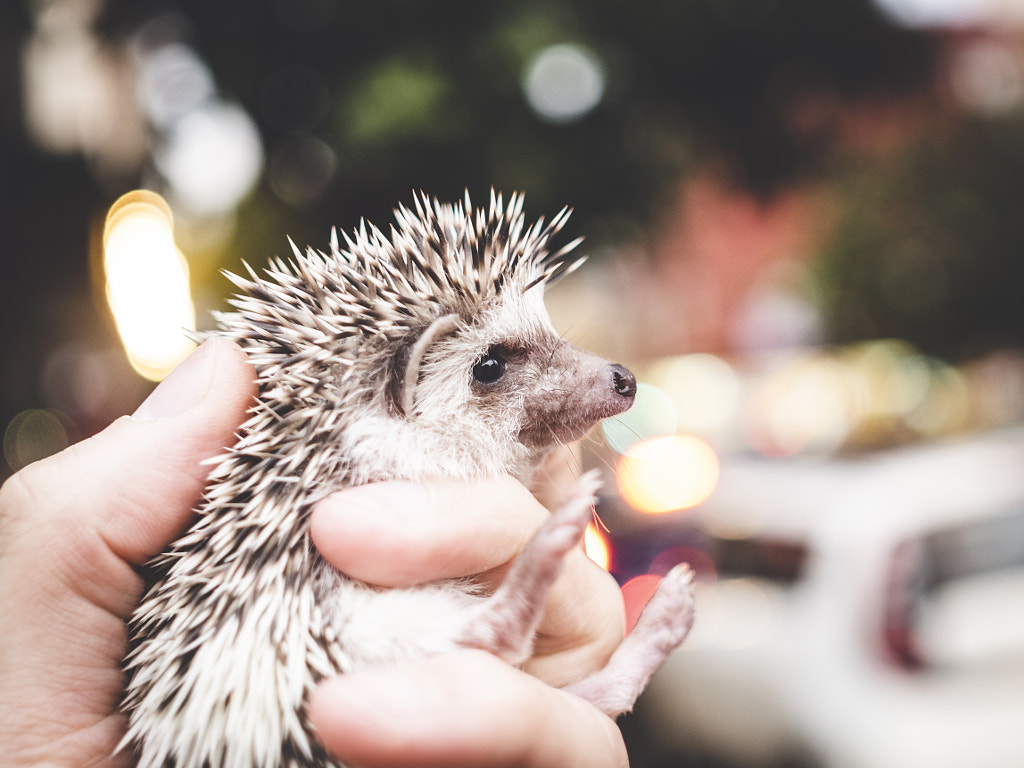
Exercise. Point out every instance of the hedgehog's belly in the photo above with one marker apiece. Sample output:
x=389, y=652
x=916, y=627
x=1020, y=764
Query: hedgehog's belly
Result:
x=383, y=626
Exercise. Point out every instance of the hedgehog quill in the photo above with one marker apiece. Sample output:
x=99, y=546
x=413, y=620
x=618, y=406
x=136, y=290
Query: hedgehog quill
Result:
x=426, y=352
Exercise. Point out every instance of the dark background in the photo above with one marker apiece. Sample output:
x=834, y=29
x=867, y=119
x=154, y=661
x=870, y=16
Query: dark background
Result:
x=427, y=96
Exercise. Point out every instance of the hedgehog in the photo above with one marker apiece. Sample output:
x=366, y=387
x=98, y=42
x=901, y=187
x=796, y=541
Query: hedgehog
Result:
x=425, y=352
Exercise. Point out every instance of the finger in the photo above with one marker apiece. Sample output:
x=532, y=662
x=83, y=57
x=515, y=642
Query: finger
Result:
x=124, y=494
x=397, y=534
x=462, y=709
x=555, y=476
x=583, y=624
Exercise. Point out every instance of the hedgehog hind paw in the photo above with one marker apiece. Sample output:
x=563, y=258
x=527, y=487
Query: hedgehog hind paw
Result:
x=663, y=625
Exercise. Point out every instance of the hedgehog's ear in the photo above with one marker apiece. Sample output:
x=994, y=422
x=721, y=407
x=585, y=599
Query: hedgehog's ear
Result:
x=405, y=390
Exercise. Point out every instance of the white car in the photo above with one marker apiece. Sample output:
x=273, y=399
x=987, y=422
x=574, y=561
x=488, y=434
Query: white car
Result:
x=852, y=613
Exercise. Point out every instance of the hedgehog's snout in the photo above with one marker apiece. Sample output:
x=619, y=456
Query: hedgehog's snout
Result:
x=615, y=392
x=623, y=381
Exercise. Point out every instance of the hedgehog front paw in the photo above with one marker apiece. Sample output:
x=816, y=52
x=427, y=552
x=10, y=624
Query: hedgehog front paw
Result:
x=506, y=623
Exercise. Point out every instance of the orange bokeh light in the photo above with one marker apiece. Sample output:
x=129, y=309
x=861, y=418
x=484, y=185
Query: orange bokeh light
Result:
x=597, y=547
x=667, y=473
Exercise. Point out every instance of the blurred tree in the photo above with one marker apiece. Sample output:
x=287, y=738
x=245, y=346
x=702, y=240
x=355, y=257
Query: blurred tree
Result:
x=358, y=104
x=930, y=248
x=430, y=95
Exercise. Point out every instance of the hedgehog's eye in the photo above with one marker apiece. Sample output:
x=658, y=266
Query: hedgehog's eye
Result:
x=490, y=367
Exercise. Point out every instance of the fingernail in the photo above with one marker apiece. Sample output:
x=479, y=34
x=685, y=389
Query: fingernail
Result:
x=185, y=387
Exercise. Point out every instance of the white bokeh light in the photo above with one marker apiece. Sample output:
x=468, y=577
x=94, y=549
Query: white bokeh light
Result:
x=951, y=13
x=172, y=81
x=564, y=82
x=988, y=77
x=212, y=158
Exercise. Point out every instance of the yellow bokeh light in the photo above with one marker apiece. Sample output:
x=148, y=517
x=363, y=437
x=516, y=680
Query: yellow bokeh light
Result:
x=667, y=473
x=704, y=389
x=147, y=284
x=805, y=407
x=596, y=545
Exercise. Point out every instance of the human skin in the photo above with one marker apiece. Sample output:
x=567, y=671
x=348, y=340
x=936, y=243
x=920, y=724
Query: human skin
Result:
x=75, y=528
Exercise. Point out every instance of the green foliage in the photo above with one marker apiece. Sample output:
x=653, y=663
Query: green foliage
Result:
x=397, y=99
x=931, y=248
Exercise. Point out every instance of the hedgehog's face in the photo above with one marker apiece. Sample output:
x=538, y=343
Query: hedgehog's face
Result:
x=508, y=385
x=553, y=392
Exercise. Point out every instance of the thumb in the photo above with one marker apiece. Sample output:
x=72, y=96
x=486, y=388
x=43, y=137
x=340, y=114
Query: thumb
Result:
x=71, y=528
x=191, y=417
x=136, y=483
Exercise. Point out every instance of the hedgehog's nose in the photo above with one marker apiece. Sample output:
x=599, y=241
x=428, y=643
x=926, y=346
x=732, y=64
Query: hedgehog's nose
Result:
x=623, y=382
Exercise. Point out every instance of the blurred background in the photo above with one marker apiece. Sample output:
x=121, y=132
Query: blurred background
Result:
x=805, y=236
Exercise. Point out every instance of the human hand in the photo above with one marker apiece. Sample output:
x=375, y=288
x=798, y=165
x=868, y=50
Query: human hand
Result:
x=466, y=708
x=397, y=534
x=106, y=505
x=461, y=710
x=73, y=529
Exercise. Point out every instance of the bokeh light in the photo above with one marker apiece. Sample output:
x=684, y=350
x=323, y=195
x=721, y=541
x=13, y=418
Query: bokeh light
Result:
x=147, y=284
x=172, y=81
x=301, y=167
x=635, y=595
x=396, y=100
x=947, y=406
x=895, y=378
x=212, y=158
x=987, y=77
x=667, y=473
x=704, y=389
x=806, y=407
x=564, y=82
x=953, y=13
x=32, y=435
x=597, y=546
x=652, y=415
